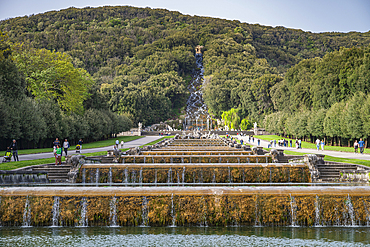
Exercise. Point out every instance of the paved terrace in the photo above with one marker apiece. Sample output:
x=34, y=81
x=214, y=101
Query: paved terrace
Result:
x=338, y=154
x=134, y=143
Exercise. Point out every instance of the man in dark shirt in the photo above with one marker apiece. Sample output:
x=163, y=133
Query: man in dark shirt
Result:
x=14, y=147
x=361, y=144
x=56, y=142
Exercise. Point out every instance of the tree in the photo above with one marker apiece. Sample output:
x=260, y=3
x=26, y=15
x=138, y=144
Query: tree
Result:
x=245, y=124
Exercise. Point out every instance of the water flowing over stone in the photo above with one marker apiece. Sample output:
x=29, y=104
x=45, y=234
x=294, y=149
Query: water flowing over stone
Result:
x=196, y=110
x=27, y=214
x=317, y=211
x=350, y=210
x=113, y=212
x=145, y=212
x=83, y=222
x=173, y=215
x=293, y=210
x=55, y=210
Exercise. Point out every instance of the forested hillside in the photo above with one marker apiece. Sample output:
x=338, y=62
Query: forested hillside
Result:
x=141, y=60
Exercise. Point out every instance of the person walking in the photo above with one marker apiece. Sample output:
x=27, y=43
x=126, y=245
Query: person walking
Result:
x=79, y=146
x=296, y=143
x=258, y=142
x=117, y=143
x=322, y=144
x=65, y=146
x=122, y=143
x=291, y=143
x=275, y=143
x=299, y=143
x=58, y=155
x=318, y=144
x=355, y=145
x=361, y=145
x=14, y=147
x=56, y=142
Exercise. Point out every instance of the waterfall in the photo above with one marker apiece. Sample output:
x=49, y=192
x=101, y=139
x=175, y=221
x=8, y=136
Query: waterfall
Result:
x=367, y=214
x=183, y=176
x=133, y=176
x=83, y=222
x=141, y=176
x=126, y=176
x=27, y=214
x=113, y=212
x=349, y=206
x=110, y=175
x=155, y=177
x=214, y=176
x=201, y=176
x=97, y=176
x=144, y=159
x=169, y=176
x=317, y=211
x=55, y=211
x=182, y=159
x=229, y=174
x=83, y=175
x=173, y=215
x=204, y=222
x=257, y=221
x=293, y=209
x=178, y=176
x=145, y=212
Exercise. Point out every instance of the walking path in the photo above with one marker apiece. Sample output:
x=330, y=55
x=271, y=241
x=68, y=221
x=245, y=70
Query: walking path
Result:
x=338, y=154
x=134, y=143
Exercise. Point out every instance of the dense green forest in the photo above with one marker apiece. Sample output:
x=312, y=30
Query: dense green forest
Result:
x=141, y=59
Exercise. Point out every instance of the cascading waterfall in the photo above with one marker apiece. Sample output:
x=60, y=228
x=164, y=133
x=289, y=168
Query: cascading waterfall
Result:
x=257, y=221
x=141, y=176
x=204, y=212
x=55, y=211
x=113, y=212
x=317, y=211
x=183, y=175
x=214, y=177
x=349, y=206
x=293, y=210
x=126, y=176
x=83, y=175
x=173, y=215
x=145, y=213
x=367, y=214
x=110, y=175
x=169, y=176
x=83, y=222
x=133, y=176
x=97, y=176
x=27, y=214
x=155, y=177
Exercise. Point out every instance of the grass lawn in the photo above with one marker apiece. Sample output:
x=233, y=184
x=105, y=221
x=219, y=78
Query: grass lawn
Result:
x=19, y=164
x=310, y=145
x=98, y=144
x=334, y=159
x=156, y=141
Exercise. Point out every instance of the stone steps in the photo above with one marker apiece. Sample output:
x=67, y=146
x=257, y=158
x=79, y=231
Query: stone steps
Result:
x=331, y=171
x=55, y=173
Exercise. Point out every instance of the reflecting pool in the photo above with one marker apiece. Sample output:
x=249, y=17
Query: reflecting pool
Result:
x=184, y=236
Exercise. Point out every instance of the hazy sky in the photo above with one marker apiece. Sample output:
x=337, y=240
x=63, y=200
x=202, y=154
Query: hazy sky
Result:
x=308, y=15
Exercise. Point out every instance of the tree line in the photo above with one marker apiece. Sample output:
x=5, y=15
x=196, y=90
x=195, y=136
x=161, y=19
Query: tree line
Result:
x=42, y=97
x=141, y=59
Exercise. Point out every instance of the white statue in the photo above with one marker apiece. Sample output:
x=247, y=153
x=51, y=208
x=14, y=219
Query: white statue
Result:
x=255, y=125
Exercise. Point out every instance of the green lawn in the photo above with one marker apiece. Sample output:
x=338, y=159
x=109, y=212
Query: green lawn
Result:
x=98, y=144
x=19, y=164
x=156, y=141
x=334, y=159
x=310, y=145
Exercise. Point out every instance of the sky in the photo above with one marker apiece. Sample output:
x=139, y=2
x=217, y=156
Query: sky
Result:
x=308, y=15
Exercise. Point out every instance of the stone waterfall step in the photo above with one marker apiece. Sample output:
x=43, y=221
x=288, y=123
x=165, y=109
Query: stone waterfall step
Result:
x=330, y=171
x=55, y=173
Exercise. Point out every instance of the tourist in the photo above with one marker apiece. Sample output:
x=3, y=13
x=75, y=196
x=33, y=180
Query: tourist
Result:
x=252, y=138
x=122, y=143
x=241, y=142
x=117, y=143
x=361, y=145
x=79, y=143
x=317, y=144
x=258, y=142
x=249, y=138
x=291, y=143
x=56, y=142
x=322, y=144
x=299, y=143
x=14, y=147
x=355, y=145
x=275, y=143
x=296, y=143
x=58, y=155
x=65, y=146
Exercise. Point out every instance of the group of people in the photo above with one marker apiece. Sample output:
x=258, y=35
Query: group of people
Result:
x=360, y=144
x=57, y=149
x=320, y=143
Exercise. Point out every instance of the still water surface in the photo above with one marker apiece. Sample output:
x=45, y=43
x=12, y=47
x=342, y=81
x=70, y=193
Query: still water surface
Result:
x=185, y=236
